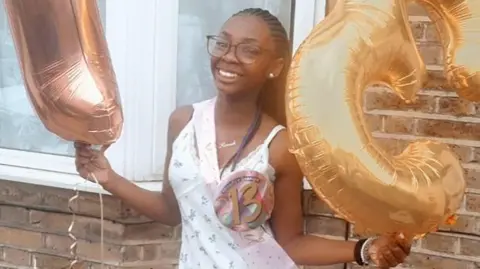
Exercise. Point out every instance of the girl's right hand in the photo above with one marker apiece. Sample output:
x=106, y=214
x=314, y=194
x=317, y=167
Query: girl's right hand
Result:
x=92, y=164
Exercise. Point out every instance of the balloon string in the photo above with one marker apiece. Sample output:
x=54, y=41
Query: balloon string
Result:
x=73, y=246
x=100, y=198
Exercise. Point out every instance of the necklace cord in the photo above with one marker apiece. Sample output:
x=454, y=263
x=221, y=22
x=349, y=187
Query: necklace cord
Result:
x=252, y=129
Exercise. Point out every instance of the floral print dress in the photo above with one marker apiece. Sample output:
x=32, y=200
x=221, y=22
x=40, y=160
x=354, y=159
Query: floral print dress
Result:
x=194, y=175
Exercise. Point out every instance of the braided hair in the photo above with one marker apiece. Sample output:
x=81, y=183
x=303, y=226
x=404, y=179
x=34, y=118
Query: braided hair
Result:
x=272, y=97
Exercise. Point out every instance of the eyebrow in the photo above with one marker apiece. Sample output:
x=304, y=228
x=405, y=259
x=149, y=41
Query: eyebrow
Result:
x=247, y=39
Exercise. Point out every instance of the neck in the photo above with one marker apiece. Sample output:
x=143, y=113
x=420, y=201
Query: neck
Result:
x=235, y=111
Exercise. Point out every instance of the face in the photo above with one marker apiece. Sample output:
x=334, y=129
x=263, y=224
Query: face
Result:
x=250, y=56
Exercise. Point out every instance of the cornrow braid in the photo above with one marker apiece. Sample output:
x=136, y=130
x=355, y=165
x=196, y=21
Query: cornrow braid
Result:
x=277, y=30
x=271, y=100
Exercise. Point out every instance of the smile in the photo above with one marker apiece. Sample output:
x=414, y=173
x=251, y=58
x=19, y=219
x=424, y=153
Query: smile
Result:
x=227, y=74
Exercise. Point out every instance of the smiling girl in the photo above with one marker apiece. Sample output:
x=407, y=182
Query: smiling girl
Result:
x=237, y=141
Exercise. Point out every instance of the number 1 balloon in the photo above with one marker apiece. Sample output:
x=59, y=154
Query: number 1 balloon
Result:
x=361, y=43
x=68, y=74
x=66, y=68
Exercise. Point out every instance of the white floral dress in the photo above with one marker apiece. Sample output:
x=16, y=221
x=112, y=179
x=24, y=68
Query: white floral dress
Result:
x=194, y=174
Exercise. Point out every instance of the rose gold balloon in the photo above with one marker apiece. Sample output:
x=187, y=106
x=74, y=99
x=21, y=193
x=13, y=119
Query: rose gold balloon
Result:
x=66, y=67
x=458, y=25
x=365, y=42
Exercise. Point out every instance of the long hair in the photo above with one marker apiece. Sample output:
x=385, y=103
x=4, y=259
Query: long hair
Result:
x=272, y=96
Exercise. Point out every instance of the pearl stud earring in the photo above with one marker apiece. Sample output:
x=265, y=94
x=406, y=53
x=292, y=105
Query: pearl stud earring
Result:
x=271, y=75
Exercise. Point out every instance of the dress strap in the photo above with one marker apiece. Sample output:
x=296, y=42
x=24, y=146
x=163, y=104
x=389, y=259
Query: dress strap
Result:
x=272, y=135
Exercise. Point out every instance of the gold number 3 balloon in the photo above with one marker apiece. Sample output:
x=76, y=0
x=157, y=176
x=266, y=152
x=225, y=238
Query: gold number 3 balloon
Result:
x=365, y=42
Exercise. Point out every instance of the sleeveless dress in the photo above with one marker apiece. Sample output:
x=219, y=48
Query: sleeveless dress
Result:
x=194, y=175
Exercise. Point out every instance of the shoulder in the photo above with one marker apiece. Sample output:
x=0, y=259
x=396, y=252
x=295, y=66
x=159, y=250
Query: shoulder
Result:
x=279, y=146
x=281, y=158
x=178, y=120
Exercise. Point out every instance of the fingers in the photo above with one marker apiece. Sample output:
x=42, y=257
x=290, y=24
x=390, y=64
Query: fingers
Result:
x=87, y=152
x=86, y=171
x=403, y=243
x=397, y=250
x=398, y=253
x=78, y=144
x=392, y=250
x=389, y=258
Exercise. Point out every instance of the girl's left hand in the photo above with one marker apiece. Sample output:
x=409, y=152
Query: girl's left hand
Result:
x=389, y=250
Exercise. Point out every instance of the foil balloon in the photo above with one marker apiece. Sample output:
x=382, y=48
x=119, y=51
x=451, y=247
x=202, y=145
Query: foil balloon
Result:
x=66, y=68
x=458, y=25
x=362, y=43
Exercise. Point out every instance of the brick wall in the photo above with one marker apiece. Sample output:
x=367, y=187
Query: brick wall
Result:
x=34, y=220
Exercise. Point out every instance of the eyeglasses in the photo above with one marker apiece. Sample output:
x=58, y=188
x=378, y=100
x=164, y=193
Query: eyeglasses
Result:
x=246, y=53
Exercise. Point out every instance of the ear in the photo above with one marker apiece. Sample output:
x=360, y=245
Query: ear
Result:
x=276, y=68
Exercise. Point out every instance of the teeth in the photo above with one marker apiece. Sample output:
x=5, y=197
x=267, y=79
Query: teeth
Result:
x=227, y=74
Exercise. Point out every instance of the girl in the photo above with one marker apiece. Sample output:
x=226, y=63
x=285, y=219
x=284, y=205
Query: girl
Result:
x=227, y=141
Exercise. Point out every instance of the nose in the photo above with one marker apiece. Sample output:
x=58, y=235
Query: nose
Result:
x=231, y=56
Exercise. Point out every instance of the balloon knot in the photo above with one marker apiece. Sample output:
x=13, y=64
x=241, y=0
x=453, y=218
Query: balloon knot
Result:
x=451, y=220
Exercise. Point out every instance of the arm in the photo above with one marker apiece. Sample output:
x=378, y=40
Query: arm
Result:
x=159, y=206
x=287, y=217
x=287, y=222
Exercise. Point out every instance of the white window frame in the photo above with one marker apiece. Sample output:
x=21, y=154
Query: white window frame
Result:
x=142, y=41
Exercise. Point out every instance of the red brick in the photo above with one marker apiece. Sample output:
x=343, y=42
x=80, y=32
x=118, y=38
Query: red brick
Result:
x=422, y=261
x=56, y=223
x=431, y=32
x=473, y=178
x=392, y=146
x=387, y=100
x=464, y=224
x=476, y=155
x=166, y=250
x=19, y=194
x=314, y=206
x=463, y=153
x=431, y=53
x=132, y=253
x=470, y=247
x=112, y=232
x=149, y=231
x=399, y=125
x=448, y=129
x=91, y=265
x=374, y=122
x=16, y=256
x=418, y=30
x=88, y=203
x=326, y=226
x=13, y=215
x=455, y=106
x=45, y=261
x=415, y=9
x=440, y=243
x=85, y=227
x=111, y=253
x=57, y=243
x=473, y=202
x=20, y=238
x=436, y=80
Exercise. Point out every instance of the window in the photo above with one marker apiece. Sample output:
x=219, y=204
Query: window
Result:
x=158, y=52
